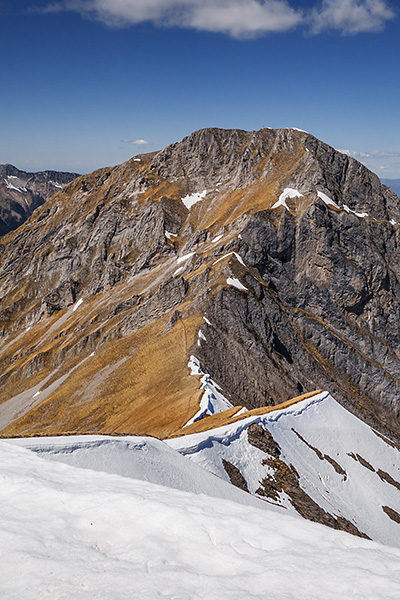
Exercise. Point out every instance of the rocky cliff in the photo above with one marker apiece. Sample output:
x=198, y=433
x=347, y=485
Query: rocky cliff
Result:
x=268, y=257
x=22, y=192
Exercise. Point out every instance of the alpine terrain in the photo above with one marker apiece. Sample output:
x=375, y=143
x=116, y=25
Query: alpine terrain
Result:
x=21, y=193
x=237, y=296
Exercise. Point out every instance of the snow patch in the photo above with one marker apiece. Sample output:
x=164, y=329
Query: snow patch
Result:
x=182, y=259
x=239, y=258
x=328, y=201
x=170, y=235
x=234, y=282
x=77, y=304
x=393, y=222
x=192, y=199
x=360, y=215
x=216, y=239
x=206, y=320
x=287, y=193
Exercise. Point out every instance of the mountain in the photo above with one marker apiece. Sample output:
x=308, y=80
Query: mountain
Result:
x=22, y=192
x=237, y=296
x=268, y=256
x=394, y=184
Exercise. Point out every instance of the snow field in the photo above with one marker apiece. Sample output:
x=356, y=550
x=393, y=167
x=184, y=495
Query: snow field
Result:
x=67, y=532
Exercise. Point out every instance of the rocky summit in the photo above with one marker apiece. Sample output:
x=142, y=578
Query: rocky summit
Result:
x=22, y=192
x=230, y=272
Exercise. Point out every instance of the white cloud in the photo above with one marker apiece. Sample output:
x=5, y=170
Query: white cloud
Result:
x=237, y=18
x=246, y=18
x=137, y=142
x=351, y=16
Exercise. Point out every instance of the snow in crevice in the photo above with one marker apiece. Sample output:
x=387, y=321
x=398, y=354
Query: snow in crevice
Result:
x=170, y=235
x=185, y=257
x=328, y=201
x=206, y=320
x=192, y=199
x=77, y=304
x=235, y=254
x=212, y=401
x=287, y=193
x=216, y=239
x=360, y=215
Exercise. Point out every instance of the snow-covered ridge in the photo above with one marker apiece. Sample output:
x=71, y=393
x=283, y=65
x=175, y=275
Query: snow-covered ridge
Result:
x=212, y=401
x=338, y=457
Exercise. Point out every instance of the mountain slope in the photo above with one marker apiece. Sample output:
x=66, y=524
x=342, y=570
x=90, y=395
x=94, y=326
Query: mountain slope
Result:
x=314, y=459
x=268, y=256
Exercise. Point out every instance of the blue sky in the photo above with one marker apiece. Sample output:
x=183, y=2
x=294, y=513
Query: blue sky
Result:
x=83, y=80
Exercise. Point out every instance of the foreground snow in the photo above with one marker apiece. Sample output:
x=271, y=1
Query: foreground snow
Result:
x=82, y=533
x=68, y=532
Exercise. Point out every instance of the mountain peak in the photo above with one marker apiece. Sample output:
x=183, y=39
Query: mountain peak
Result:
x=268, y=256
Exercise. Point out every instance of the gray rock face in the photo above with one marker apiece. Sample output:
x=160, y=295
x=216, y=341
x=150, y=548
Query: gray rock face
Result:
x=21, y=193
x=322, y=311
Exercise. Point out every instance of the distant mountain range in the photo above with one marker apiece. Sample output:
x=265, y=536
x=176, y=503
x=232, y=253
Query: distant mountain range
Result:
x=22, y=192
